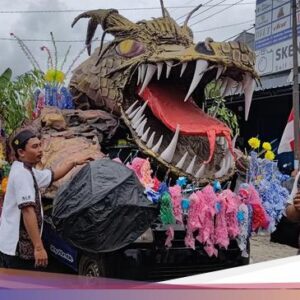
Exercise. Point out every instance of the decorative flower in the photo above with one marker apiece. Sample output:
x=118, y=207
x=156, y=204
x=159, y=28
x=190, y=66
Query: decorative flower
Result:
x=4, y=184
x=156, y=184
x=163, y=188
x=217, y=186
x=269, y=155
x=142, y=169
x=243, y=194
x=53, y=75
x=254, y=143
x=240, y=216
x=181, y=181
x=267, y=146
x=185, y=204
x=218, y=207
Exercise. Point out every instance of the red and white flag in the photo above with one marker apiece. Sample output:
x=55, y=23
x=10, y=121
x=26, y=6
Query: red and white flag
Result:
x=287, y=139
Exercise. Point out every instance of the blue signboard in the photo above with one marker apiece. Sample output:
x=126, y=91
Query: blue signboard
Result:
x=273, y=35
x=273, y=22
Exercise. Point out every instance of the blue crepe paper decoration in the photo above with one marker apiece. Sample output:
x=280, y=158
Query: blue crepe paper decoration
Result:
x=185, y=204
x=267, y=180
x=153, y=196
x=181, y=181
x=240, y=216
x=163, y=188
x=217, y=186
x=218, y=207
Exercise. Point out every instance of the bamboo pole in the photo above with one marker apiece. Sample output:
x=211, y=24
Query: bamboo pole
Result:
x=295, y=85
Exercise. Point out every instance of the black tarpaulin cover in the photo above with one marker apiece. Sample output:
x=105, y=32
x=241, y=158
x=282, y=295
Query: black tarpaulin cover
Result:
x=103, y=208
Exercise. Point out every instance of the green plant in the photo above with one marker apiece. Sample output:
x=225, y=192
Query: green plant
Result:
x=219, y=110
x=16, y=97
x=5, y=78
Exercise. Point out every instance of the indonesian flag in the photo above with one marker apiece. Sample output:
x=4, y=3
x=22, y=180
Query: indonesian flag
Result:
x=287, y=139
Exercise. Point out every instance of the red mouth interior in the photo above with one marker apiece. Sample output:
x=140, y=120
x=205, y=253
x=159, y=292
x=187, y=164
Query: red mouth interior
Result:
x=166, y=103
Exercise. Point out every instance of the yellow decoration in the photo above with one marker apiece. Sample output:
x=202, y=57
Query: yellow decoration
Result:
x=53, y=75
x=2, y=155
x=1, y=152
x=254, y=143
x=269, y=155
x=267, y=146
x=4, y=184
x=122, y=142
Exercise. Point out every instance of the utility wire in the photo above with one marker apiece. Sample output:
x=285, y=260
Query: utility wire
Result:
x=48, y=40
x=82, y=10
x=82, y=41
x=198, y=13
x=218, y=12
x=202, y=12
x=225, y=26
x=186, y=3
x=238, y=34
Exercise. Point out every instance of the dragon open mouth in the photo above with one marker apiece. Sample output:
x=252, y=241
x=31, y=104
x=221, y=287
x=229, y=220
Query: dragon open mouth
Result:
x=154, y=75
x=169, y=124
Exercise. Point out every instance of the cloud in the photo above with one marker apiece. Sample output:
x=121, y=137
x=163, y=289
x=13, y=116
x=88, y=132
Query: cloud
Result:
x=38, y=26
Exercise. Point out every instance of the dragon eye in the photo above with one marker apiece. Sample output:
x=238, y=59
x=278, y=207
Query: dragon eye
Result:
x=130, y=48
x=203, y=48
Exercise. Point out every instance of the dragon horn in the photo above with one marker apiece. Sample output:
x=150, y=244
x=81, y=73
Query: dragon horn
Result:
x=164, y=10
x=91, y=29
x=109, y=19
x=190, y=14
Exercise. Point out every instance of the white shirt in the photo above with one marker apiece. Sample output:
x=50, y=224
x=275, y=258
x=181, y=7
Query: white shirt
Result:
x=20, y=190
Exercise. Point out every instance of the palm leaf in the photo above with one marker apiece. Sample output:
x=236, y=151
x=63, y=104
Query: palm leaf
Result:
x=5, y=78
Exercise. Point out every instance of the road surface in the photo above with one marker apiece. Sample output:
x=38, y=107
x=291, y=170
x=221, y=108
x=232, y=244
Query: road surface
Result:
x=261, y=249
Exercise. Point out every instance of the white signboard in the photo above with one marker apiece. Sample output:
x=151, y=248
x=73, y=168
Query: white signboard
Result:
x=273, y=36
x=275, y=58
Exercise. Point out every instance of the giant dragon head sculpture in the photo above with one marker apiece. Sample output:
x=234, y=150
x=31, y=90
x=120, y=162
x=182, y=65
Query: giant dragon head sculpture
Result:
x=153, y=76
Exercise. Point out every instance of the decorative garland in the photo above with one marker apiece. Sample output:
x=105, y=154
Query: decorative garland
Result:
x=267, y=180
x=213, y=216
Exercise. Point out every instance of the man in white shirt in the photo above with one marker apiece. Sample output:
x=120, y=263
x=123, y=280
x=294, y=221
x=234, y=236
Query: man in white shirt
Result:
x=21, y=245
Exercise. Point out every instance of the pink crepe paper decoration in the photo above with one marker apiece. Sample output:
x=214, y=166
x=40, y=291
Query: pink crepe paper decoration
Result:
x=176, y=196
x=143, y=171
x=221, y=233
x=170, y=237
x=207, y=233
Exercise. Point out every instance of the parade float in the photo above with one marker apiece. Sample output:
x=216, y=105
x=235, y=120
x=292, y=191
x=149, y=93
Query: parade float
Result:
x=165, y=199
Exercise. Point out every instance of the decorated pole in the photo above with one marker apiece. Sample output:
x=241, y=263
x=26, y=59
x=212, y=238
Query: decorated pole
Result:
x=295, y=85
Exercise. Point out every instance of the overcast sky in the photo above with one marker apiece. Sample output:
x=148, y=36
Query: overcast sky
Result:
x=39, y=25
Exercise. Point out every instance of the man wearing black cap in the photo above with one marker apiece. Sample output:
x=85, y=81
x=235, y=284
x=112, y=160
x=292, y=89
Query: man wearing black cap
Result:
x=21, y=225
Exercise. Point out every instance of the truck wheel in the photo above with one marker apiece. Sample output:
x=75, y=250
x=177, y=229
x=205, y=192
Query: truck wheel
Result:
x=91, y=266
